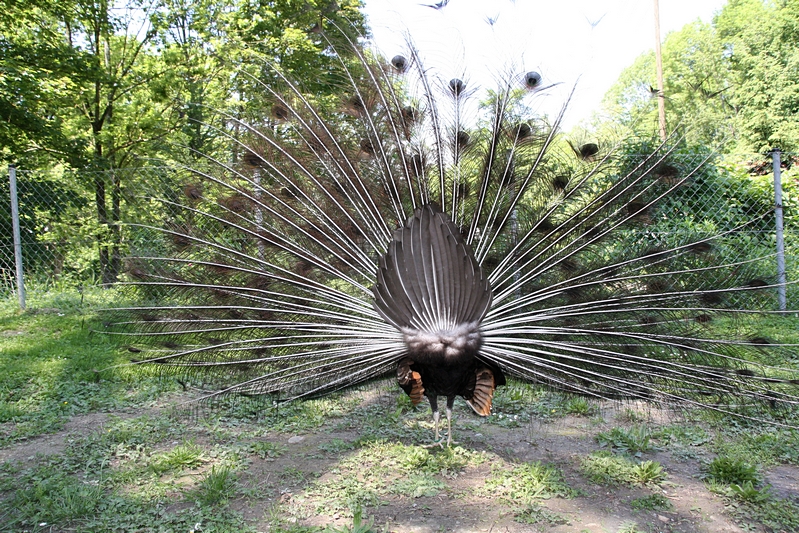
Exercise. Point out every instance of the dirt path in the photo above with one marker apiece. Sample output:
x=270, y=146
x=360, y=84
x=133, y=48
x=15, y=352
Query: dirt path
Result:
x=300, y=484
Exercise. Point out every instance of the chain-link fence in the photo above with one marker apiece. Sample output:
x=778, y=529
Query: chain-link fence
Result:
x=69, y=223
x=71, y=236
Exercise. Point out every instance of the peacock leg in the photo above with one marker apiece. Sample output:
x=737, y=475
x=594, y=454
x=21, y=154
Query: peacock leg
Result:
x=436, y=419
x=450, y=403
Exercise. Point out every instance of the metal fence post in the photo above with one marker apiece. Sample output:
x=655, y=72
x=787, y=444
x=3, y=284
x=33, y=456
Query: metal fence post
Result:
x=12, y=177
x=775, y=162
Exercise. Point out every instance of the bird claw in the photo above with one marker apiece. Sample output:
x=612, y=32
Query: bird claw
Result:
x=442, y=443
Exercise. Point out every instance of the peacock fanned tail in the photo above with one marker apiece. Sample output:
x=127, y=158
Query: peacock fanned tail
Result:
x=347, y=241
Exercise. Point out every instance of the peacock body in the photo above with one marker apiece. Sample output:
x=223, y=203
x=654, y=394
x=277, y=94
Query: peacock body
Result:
x=405, y=229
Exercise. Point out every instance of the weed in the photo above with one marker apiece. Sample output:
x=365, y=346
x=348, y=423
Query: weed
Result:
x=631, y=416
x=774, y=514
x=293, y=475
x=380, y=468
x=605, y=468
x=648, y=472
x=517, y=397
x=629, y=527
x=216, y=487
x=748, y=492
x=418, y=485
x=536, y=514
x=336, y=446
x=683, y=435
x=765, y=446
x=358, y=524
x=653, y=502
x=53, y=497
x=728, y=470
x=444, y=461
x=343, y=493
x=187, y=455
x=53, y=369
x=579, y=406
x=266, y=449
x=633, y=441
x=527, y=482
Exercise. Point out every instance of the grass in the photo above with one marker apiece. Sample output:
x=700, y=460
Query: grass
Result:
x=541, y=516
x=217, y=486
x=652, y=502
x=267, y=449
x=729, y=470
x=55, y=365
x=131, y=464
x=606, y=468
x=185, y=456
x=632, y=441
x=381, y=469
x=527, y=483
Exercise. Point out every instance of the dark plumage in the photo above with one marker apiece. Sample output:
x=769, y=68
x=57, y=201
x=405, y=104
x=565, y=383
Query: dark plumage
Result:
x=431, y=288
x=398, y=236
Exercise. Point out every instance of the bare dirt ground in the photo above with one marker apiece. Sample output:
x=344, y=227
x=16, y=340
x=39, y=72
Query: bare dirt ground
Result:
x=461, y=502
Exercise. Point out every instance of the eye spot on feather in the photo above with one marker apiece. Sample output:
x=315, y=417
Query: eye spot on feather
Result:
x=532, y=80
x=399, y=63
x=456, y=86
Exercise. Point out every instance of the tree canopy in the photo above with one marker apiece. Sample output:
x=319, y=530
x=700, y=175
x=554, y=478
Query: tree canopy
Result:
x=734, y=80
x=98, y=85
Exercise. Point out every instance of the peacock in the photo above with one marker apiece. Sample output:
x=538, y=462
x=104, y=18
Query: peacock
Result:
x=416, y=227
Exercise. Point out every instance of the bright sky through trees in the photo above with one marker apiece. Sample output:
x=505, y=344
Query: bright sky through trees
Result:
x=565, y=40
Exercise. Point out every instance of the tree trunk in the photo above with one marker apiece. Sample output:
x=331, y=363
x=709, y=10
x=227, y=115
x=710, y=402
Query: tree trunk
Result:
x=102, y=227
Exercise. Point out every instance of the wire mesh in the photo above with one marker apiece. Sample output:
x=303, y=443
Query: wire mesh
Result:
x=67, y=241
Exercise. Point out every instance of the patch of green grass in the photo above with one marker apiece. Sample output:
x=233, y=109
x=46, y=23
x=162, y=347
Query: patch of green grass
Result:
x=124, y=476
x=631, y=416
x=337, y=446
x=442, y=461
x=417, y=485
x=762, y=445
x=748, y=492
x=682, y=434
x=185, y=456
x=629, y=527
x=729, y=470
x=632, y=441
x=525, y=483
x=652, y=502
x=217, y=486
x=68, y=496
x=359, y=525
x=538, y=515
x=56, y=365
x=522, y=399
x=293, y=475
x=377, y=423
x=270, y=415
x=579, y=406
x=266, y=449
x=774, y=514
x=381, y=468
x=53, y=497
x=517, y=398
x=607, y=469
